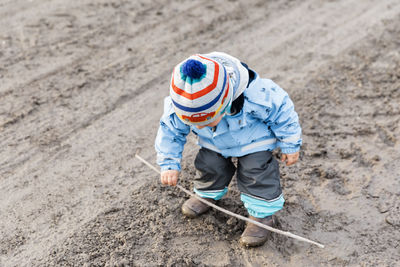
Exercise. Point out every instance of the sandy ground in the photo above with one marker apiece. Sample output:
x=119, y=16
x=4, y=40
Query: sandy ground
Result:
x=81, y=91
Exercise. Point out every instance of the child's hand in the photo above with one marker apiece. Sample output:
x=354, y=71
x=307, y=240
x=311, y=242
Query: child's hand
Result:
x=290, y=158
x=169, y=177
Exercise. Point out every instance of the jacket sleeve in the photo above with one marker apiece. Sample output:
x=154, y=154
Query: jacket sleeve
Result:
x=279, y=114
x=285, y=125
x=171, y=138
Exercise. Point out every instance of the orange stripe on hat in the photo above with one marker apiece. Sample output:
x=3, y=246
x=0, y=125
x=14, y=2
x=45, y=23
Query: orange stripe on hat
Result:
x=201, y=92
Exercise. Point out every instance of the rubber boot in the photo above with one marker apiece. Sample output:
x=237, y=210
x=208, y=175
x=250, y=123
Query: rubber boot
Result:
x=193, y=207
x=254, y=235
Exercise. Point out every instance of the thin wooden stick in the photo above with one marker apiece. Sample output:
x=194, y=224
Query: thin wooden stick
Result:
x=234, y=214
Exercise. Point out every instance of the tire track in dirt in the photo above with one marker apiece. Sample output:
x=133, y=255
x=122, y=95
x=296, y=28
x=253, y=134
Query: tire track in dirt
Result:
x=323, y=23
x=14, y=7
x=97, y=53
x=92, y=75
x=92, y=78
x=35, y=152
x=76, y=62
x=124, y=97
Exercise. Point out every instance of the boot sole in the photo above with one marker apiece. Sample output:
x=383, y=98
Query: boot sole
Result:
x=250, y=244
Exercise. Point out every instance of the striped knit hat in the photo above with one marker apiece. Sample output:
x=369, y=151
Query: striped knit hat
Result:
x=200, y=90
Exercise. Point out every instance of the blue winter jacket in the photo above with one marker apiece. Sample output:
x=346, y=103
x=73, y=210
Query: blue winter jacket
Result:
x=266, y=121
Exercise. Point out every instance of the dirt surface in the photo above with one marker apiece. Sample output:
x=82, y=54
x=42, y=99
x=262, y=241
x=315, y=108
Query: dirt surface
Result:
x=82, y=84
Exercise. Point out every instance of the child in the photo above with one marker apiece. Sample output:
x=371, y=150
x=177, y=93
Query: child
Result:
x=234, y=113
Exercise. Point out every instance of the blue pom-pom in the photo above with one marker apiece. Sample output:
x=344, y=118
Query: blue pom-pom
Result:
x=193, y=69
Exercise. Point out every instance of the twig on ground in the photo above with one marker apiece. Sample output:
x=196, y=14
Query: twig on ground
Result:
x=234, y=214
